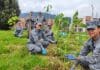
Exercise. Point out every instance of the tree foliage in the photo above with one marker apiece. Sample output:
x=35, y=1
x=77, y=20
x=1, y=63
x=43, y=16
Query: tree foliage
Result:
x=77, y=21
x=12, y=20
x=60, y=25
x=8, y=8
x=61, y=22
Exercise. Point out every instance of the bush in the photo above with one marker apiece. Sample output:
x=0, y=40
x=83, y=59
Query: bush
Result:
x=12, y=20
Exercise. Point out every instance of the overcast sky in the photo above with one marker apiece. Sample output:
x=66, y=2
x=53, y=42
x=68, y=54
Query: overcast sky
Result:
x=68, y=7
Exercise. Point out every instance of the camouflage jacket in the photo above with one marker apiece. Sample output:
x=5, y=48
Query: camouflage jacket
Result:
x=94, y=59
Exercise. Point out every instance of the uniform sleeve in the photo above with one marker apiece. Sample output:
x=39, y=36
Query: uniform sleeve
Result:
x=95, y=57
x=85, y=50
x=44, y=36
x=34, y=36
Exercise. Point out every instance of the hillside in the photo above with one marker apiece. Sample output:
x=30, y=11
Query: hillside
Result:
x=35, y=14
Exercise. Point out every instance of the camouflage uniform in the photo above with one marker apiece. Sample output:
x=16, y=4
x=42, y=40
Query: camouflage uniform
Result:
x=19, y=29
x=49, y=34
x=91, y=62
x=37, y=41
x=94, y=60
x=39, y=19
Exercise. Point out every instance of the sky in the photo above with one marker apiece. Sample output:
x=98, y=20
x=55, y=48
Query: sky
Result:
x=67, y=7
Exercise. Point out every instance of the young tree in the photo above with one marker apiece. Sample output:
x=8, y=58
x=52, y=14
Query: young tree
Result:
x=48, y=8
x=76, y=20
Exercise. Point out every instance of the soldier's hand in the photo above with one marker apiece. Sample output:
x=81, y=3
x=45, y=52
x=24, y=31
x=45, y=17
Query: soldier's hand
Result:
x=44, y=51
x=70, y=57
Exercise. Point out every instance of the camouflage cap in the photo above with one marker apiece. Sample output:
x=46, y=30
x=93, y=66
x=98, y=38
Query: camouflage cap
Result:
x=91, y=25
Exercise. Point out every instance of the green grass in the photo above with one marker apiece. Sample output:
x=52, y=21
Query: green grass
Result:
x=14, y=54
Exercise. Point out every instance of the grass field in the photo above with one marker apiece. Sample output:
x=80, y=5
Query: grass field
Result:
x=15, y=56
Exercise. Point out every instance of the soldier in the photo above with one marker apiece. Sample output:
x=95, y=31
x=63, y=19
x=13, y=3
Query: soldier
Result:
x=48, y=32
x=37, y=40
x=19, y=29
x=30, y=23
x=91, y=62
x=39, y=18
